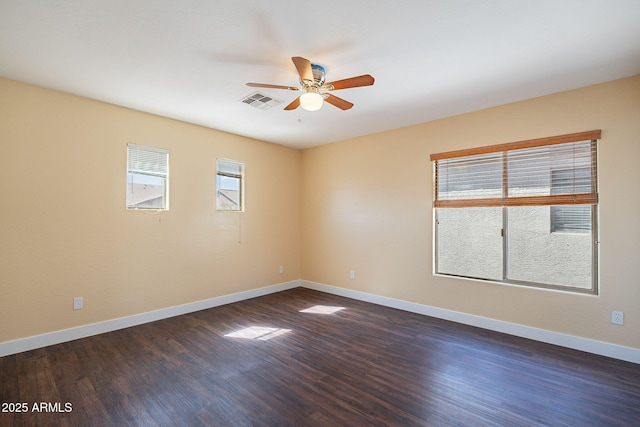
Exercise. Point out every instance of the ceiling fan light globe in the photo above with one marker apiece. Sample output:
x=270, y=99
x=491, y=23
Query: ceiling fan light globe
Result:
x=311, y=101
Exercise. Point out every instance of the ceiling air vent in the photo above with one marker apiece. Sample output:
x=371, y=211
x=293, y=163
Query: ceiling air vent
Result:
x=261, y=101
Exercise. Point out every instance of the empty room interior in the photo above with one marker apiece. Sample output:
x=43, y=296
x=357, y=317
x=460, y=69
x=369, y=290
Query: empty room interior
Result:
x=340, y=213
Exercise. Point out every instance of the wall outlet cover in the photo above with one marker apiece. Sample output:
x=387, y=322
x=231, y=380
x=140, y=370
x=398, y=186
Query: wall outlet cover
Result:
x=617, y=317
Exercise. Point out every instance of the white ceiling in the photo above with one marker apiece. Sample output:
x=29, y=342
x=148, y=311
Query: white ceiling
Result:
x=190, y=60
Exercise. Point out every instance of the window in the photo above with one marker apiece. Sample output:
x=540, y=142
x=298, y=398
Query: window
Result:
x=493, y=207
x=147, y=177
x=229, y=185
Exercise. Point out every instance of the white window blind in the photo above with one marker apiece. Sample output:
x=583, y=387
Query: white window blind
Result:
x=148, y=160
x=229, y=168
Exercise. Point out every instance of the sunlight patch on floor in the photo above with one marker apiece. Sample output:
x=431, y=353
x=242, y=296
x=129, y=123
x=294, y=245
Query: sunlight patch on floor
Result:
x=258, y=333
x=322, y=309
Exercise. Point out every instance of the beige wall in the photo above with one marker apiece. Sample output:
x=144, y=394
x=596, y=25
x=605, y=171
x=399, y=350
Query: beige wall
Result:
x=366, y=206
x=362, y=205
x=64, y=230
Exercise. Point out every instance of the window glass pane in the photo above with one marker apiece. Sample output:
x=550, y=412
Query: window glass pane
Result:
x=145, y=191
x=535, y=255
x=571, y=219
x=469, y=242
x=228, y=193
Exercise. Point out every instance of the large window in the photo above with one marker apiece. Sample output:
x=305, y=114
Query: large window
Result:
x=524, y=212
x=229, y=185
x=147, y=177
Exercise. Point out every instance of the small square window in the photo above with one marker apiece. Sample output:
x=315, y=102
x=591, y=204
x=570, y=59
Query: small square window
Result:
x=229, y=185
x=147, y=177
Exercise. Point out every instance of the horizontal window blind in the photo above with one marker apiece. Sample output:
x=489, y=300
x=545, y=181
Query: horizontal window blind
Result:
x=549, y=171
x=229, y=168
x=147, y=160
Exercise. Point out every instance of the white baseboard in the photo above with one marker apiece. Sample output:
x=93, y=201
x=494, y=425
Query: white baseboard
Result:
x=38, y=341
x=564, y=340
x=615, y=351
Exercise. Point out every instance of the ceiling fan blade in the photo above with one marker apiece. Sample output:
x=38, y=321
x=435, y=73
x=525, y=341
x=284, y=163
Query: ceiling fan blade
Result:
x=272, y=86
x=294, y=104
x=338, y=102
x=364, y=80
x=304, y=68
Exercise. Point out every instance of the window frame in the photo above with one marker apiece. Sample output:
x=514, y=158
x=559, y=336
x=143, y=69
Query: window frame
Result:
x=221, y=173
x=159, y=172
x=506, y=201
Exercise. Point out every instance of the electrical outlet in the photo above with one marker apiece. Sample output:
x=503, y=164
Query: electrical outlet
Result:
x=77, y=303
x=281, y=269
x=617, y=317
x=352, y=274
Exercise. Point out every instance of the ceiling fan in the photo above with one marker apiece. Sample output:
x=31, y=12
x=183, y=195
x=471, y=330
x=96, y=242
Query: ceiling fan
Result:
x=316, y=90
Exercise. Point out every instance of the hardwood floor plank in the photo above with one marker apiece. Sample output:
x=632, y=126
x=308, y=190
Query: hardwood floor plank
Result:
x=362, y=365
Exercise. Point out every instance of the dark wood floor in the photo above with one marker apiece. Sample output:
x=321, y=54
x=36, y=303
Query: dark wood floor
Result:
x=365, y=365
